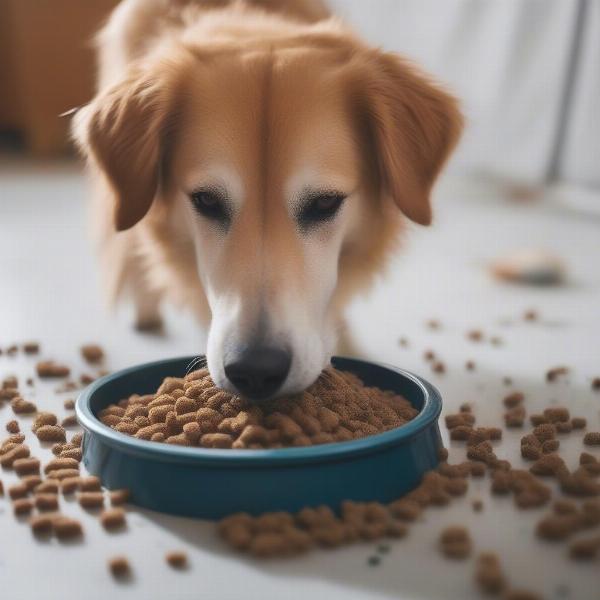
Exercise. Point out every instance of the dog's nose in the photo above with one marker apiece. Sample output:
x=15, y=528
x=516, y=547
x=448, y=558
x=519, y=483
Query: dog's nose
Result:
x=257, y=373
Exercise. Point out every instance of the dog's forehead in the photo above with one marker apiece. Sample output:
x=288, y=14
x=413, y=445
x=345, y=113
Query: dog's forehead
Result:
x=268, y=115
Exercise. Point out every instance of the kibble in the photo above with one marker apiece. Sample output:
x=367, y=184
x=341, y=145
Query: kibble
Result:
x=488, y=573
x=67, y=528
x=50, y=368
x=113, y=518
x=191, y=411
x=455, y=542
x=12, y=426
x=91, y=500
x=46, y=502
x=92, y=353
x=119, y=567
x=592, y=438
x=119, y=497
x=177, y=559
x=51, y=433
x=41, y=524
x=22, y=506
x=20, y=406
x=26, y=466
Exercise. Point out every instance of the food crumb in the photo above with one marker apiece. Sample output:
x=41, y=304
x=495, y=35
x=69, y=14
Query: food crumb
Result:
x=177, y=559
x=12, y=426
x=92, y=353
x=112, y=518
x=592, y=438
x=50, y=368
x=119, y=567
x=455, y=542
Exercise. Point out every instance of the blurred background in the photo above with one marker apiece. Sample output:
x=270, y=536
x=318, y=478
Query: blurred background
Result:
x=527, y=71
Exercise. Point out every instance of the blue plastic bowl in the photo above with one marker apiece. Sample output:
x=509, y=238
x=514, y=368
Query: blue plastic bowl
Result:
x=211, y=483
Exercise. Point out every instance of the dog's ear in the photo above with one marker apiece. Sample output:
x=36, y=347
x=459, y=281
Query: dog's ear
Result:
x=411, y=126
x=122, y=130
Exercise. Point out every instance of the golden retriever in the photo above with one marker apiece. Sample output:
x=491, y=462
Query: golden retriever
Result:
x=255, y=161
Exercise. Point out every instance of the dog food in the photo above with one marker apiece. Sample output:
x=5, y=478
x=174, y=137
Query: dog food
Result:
x=119, y=497
x=20, y=406
x=177, y=559
x=592, y=438
x=556, y=372
x=50, y=368
x=119, y=567
x=51, y=433
x=91, y=500
x=113, y=518
x=488, y=573
x=22, y=506
x=31, y=347
x=12, y=426
x=67, y=528
x=192, y=412
x=69, y=404
x=455, y=542
x=41, y=524
x=46, y=502
x=92, y=353
x=26, y=466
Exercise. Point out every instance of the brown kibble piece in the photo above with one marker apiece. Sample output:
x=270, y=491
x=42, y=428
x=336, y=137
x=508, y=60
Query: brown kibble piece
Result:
x=51, y=433
x=91, y=500
x=592, y=438
x=69, y=404
x=513, y=399
x=488, y=573
x=177, y=559
x=556, y=372
x=12, y=426
x=8, y=457
x=31, y=347
x=46, y=502
x=578, y=422
x=26, y=466
x=70, y=421
x=41, y=524
x=49, y=368
x=113, y=518
x=92, y=353
x=455, y=542
x=585, y=549
x=90, y=484
x=119, y=497
x=119, y=567
x=67, y=528
x=20, y=406
x=22, y=506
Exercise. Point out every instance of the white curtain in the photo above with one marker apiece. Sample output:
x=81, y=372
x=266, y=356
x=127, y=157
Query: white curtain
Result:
x=527, y=71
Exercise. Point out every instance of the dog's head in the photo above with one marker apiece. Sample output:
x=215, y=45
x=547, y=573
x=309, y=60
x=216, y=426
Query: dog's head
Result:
x=291, y=164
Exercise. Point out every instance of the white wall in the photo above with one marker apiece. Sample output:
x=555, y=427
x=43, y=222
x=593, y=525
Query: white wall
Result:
x=508, y=60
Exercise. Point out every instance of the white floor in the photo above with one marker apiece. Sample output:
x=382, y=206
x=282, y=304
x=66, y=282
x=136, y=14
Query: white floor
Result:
x=49, y=292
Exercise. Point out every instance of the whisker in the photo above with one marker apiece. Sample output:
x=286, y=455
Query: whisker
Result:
x=198, y=362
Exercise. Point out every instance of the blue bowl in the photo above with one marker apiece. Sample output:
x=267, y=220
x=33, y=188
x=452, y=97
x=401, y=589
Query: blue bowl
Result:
x=211, y=483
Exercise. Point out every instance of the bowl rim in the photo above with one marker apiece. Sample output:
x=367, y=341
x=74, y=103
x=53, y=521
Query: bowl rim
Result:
x=223, y=458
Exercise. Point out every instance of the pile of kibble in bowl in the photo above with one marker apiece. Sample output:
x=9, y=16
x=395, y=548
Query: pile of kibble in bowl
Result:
x=191, y=411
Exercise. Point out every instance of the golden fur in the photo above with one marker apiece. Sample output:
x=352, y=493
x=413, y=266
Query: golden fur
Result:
x=266, y=88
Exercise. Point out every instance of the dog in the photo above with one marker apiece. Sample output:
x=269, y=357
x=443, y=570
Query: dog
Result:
x=256, y=162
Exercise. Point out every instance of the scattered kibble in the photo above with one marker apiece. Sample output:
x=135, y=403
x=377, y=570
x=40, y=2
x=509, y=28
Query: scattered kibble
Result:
x=455, y=542
x=177, y=559
x=49, y=368
x=119, y=567
x=12, y=426
x=92, y=353
x=113, y=518
x=592, y=438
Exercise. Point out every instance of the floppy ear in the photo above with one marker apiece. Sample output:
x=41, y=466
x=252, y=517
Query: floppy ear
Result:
x=122, y=130
x=412, y=127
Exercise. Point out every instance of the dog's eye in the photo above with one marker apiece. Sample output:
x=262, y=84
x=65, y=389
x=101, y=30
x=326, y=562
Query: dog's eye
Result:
x=210, y=204
x=320, y=207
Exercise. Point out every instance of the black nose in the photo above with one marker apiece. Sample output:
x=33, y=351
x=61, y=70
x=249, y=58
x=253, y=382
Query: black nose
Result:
x=257, y=373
